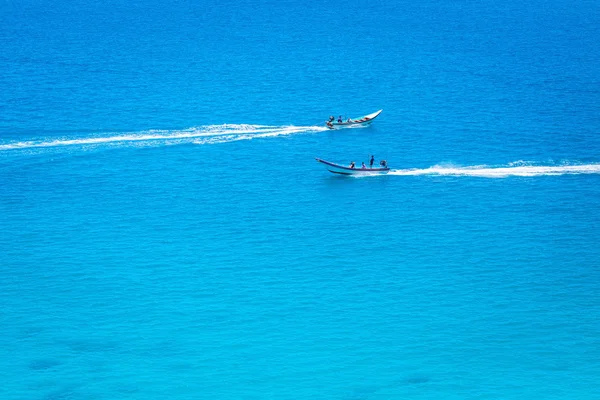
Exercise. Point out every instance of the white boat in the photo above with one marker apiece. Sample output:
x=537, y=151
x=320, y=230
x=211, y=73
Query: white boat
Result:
x=353, y=122
x=352, y=170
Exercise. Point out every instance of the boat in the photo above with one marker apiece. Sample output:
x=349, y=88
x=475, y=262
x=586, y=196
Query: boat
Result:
x=343, y=170
x=353, y=122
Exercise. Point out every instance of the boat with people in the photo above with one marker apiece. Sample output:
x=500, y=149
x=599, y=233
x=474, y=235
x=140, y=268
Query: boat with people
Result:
x=353, y=170
x=332, y=123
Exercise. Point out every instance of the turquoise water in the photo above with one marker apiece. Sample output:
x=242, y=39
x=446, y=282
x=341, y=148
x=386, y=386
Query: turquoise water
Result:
x=165, y=231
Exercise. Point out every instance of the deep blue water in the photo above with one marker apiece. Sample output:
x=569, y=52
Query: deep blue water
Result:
x=165, y=231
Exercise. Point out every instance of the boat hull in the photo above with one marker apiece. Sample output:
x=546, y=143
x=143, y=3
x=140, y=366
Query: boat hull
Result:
x=341, y=170
x=356, y=122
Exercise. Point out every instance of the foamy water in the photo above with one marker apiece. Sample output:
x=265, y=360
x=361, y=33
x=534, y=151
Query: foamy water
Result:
x=209, y=134
x=217, y=134
x=500, y=172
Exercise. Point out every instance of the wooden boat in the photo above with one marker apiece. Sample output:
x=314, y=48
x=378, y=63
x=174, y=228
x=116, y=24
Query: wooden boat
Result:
x=340, y=169
x=353, y=122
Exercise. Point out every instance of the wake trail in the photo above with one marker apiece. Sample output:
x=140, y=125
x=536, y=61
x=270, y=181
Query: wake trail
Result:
x=500, y=172
x=198, y=135
x=214, y=134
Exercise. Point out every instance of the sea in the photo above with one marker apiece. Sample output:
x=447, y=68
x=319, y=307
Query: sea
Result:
x=166, y=232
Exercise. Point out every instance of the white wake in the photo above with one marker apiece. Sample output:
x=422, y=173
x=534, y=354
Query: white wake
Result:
x=198, y=135
x=501, y=171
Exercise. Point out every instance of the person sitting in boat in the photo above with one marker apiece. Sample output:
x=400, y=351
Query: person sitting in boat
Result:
x=352, y=165
x=363, y=166
x=340, y=119
x=383, y=163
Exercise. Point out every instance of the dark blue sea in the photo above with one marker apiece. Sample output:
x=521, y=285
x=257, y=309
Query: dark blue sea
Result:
x=166, y=233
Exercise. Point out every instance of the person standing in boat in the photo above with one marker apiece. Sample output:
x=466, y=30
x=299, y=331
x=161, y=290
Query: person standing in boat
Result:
x=331, y=119
x=371, y=161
